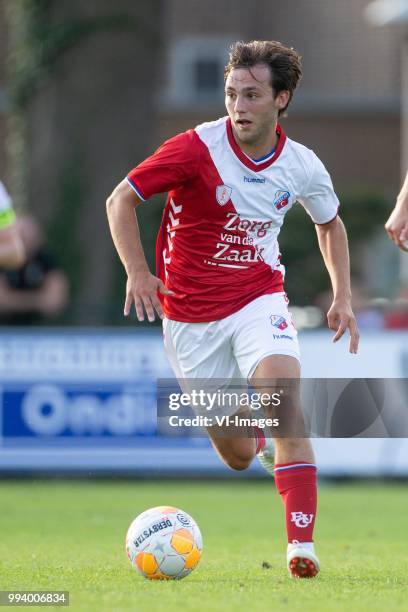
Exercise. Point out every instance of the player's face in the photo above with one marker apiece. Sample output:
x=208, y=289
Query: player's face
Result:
x=251, y=104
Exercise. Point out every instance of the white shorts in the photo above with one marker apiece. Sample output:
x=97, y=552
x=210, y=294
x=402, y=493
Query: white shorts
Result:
x=231, y=348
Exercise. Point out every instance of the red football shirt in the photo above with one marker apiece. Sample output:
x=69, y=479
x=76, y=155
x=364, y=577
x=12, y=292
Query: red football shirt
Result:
x=217, y=245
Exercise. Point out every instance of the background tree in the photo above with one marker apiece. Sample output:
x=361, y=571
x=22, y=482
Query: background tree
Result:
x=82, y=83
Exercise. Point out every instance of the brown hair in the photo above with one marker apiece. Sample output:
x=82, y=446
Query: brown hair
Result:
x=284, y=63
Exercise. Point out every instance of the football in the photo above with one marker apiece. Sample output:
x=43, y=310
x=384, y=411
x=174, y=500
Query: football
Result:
x=164, y=543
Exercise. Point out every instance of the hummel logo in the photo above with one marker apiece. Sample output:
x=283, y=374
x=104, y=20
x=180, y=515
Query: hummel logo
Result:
x=250, y=179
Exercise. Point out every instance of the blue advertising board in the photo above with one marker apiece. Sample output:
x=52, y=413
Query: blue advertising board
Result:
x=83, y=400
x=86, y=401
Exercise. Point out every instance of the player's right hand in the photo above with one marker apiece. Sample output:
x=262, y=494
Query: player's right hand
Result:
x=142, y=290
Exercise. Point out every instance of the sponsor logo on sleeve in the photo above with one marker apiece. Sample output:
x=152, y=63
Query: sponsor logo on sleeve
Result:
x=281, y=199
x=223, y=194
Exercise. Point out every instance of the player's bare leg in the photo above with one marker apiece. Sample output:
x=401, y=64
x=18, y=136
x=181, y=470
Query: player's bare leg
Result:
x=236, y=448
x=284, y=367
x=295, y=471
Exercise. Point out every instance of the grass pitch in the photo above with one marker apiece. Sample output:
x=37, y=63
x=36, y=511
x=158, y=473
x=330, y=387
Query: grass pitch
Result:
x=70, y=536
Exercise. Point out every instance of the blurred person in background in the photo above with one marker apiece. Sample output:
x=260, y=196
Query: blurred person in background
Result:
x=11, y=244
x=36, y=291
x=397, y=225
x=397, y=316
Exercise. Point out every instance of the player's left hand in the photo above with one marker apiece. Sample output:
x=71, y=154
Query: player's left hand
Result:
x=341, y=317
x=397, y=228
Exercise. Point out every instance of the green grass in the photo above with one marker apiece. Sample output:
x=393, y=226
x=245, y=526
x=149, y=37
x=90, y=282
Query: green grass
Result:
x=70, y=536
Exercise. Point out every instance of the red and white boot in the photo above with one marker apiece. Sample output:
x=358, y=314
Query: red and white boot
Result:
x=302, y=560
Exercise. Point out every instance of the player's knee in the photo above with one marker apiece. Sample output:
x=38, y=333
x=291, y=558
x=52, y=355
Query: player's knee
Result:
x=236, y=453
x=238, y=465
x=238, y=462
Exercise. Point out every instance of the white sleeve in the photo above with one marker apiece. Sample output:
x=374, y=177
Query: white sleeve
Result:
x=5, y=200
x=319, y=198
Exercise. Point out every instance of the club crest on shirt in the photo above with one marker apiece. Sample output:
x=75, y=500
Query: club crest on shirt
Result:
x=281, y=199
x=223, y=194
x=278, y=321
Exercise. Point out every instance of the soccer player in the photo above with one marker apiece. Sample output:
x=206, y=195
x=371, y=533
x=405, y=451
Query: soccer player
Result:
x=11, y=245
x=219, y=283
x=397, y=224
